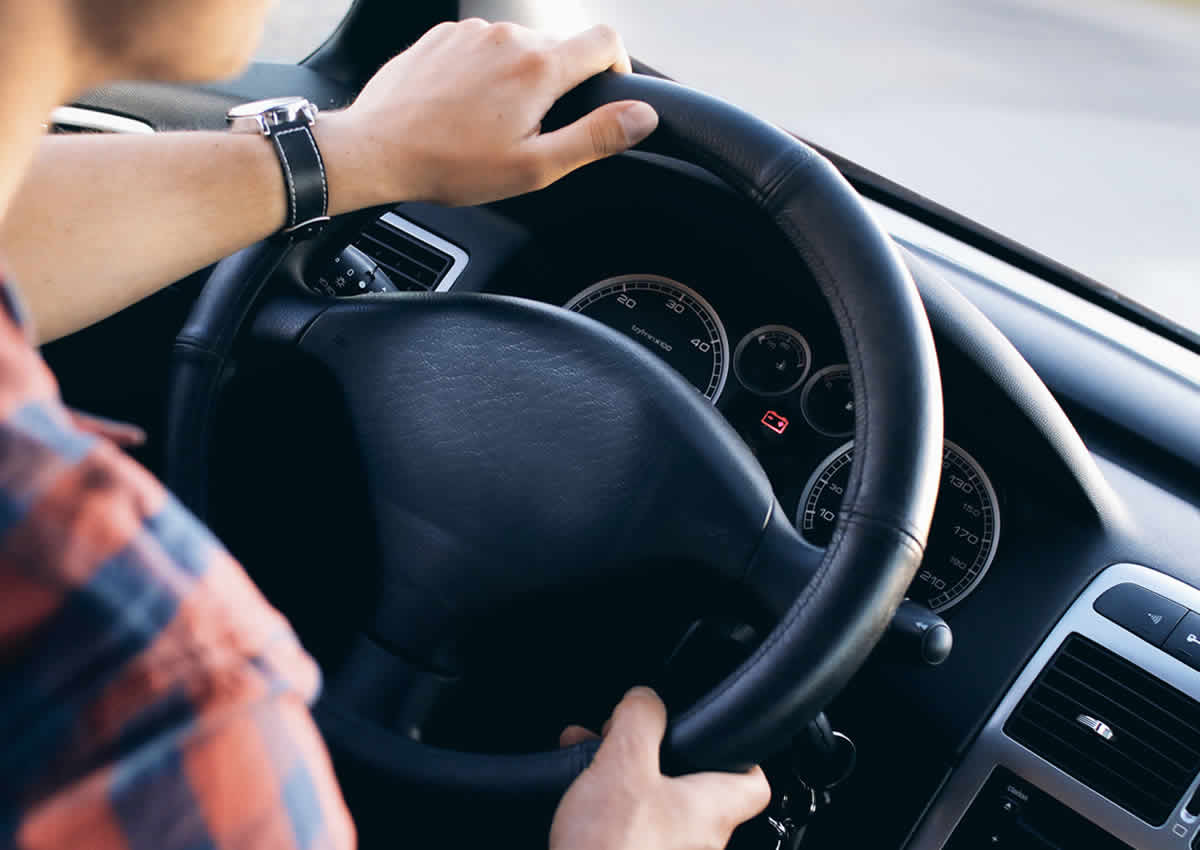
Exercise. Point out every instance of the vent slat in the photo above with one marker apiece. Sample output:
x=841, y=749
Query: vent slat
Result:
x=411, y=264
x=418, y=251
x=1181, y=732
x=386, y=255
x=1099, y=778
x=1074, y=734
x=1154, y=752
x=1160, y=697
x=1099, y=705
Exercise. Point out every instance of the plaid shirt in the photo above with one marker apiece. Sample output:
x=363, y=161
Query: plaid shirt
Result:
x=150, y=698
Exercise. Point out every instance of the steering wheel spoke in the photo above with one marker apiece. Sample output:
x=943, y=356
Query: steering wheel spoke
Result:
x=282, y=318
x=385, y=689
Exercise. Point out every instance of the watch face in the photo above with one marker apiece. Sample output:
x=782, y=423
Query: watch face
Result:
x=261, y=115
x=258, y=107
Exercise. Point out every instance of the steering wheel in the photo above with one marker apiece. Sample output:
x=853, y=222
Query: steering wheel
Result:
x=516, y=499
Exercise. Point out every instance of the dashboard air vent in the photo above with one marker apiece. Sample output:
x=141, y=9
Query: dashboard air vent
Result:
x=73, y=119
x=1114, y=727
x=412, y=263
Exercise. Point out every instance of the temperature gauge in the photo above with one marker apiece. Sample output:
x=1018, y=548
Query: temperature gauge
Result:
x=828, y=401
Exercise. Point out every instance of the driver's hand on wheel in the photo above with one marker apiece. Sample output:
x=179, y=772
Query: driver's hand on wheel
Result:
x=456, y=118
x=622, y=801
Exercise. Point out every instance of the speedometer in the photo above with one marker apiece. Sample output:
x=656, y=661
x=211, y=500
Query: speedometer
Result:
x=963, y=537
x=670, y=319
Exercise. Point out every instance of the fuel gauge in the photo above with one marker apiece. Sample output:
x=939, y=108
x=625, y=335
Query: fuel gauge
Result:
x=772, y=360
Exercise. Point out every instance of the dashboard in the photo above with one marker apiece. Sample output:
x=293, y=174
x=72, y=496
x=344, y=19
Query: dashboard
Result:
x=670, y=257
x=942, y=760
x=765, y=353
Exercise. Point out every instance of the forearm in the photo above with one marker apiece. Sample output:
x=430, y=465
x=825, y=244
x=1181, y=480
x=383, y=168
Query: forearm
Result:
x=103, y=221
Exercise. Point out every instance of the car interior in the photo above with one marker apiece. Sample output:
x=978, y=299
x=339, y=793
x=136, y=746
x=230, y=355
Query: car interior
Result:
x=685, y=419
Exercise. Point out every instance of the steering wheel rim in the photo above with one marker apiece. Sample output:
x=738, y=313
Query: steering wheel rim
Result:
x=829, y=622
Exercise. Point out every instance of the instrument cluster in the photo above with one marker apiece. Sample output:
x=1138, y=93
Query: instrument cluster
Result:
x=789, y=397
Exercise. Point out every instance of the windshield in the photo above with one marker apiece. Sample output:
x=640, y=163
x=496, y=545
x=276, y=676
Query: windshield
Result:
x=296, y=28
x=1072, y=126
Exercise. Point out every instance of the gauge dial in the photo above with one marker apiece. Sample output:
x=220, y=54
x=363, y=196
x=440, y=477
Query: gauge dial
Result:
x=962, y=539
x=828, y=401
x=772, y=360
x=670, y=319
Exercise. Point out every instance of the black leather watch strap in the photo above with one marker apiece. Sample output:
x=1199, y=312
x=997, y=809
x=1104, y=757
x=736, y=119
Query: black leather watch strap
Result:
x=305, y=184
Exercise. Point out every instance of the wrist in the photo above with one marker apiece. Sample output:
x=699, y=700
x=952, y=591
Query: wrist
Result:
x=357, y=178
x=337, y=143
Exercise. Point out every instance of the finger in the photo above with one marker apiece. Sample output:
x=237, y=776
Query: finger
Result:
x=441, y=33
x=588, y=53
x=573, y=735
x=605, y=131
x=636, y=729
x=733, y=798
x=123, y=434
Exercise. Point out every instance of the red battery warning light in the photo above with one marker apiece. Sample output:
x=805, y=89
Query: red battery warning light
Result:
x=777, y=422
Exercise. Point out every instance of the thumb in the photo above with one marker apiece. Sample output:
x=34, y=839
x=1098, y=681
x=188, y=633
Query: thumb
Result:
x=573, y=735
x=607, y=130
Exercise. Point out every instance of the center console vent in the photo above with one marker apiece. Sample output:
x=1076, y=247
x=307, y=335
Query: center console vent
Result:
x=413, y=264
x=1122, y=732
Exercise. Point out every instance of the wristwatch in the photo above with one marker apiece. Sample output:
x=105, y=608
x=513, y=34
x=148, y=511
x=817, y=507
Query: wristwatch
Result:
x=287, y=122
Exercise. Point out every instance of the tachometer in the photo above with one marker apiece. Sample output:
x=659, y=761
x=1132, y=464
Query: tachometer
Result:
x=670, y=319
x=962, y=540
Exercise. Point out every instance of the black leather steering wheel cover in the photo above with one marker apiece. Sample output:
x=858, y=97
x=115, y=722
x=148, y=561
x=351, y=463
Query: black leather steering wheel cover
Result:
x=898, y=435
x=201, y=352
x=856, y=265
x=889, y=503
x=407, y=762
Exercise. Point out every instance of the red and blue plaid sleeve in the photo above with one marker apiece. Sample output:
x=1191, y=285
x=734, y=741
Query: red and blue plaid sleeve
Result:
x=150, y=697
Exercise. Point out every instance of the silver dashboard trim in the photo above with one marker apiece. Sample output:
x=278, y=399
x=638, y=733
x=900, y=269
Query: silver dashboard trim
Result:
x=98, y=121
x=994, y=748
x=459, y=257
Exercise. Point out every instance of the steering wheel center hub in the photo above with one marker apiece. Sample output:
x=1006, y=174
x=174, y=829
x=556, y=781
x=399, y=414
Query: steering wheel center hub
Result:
x=515, y=448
